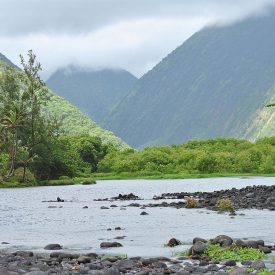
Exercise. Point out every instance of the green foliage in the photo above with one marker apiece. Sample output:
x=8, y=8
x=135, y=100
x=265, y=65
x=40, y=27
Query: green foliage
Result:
x=222, y=155
x=216, y=252
x=225, y=205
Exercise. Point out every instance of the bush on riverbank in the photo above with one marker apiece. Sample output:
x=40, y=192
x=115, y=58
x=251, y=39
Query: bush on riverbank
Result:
x=225, y=205
x=213, y=156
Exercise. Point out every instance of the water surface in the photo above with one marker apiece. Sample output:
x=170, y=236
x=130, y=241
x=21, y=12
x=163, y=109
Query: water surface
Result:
x=27, y=223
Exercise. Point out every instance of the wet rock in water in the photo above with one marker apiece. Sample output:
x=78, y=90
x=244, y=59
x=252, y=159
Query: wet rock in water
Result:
x=223, y=240
x=252, y=244
x=119, y=237
x=125, y=197
x=143, y=213
x=118, y=228
x=197, y=239
x=109, y=229
x=199, y=248
x=62, y=255
x=54, y=246
x=59, y=200
x=104, y=207
x=240, y=243
x=85, y=207
x=173, y=242
x=258, y=264
x=4, y=243
x=110, y=244
x=265, y=249
x=113, y=205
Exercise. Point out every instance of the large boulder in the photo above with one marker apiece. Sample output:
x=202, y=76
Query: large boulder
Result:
x=199, y=248
x=223, y=240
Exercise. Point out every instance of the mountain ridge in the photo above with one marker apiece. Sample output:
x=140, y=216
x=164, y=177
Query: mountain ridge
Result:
x=95, y=92
x=210, y=86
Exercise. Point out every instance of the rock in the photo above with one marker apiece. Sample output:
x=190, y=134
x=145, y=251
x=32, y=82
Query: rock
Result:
x=118, y=228
x=35, y=273
x=85, y=207
x=62, y=255
x=173, y=242
x=239, y=271
x=265, y=249
x=197, y=239
x=247, y=263
x=144, y=213
x=240, y=243
x=4, y=243
x=258, y=264
x=199, y=248
x=83, y=260
x=112, y=271
x=110, y=244
x=54, y=246
x=104, y=207
x=252, y=244
x=228, y=263
x=24, y=254
x=126, y=264
x=223, y=240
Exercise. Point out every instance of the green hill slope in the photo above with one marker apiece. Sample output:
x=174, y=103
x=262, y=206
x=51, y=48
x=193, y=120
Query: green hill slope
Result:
x=95, y=93
x=73, y=120
x=210, y=86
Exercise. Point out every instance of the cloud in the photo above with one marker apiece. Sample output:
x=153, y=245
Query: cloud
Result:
x=129, y=34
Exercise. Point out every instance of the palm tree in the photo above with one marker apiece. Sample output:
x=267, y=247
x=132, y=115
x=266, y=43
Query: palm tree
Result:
x=11, y=122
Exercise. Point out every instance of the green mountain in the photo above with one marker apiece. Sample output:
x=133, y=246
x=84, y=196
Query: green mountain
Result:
x=214, y=85
x=93, y=92
x=73, y=120
x=3, y=58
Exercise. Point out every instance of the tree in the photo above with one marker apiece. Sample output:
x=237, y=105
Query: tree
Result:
x=11, y=122
x=34, y=94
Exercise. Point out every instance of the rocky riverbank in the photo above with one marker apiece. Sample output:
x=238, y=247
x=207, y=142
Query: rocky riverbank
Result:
x=257, y=197
x=199, y=259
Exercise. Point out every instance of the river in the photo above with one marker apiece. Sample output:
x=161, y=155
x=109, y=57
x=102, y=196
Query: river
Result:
x=28, y=223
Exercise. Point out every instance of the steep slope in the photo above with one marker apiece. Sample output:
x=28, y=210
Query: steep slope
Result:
x=210, y=86
x=96, y=93
x=73, y=120
x=4, y=59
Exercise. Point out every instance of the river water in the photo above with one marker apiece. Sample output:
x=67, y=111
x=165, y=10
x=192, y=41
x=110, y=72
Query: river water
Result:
x=28, y=223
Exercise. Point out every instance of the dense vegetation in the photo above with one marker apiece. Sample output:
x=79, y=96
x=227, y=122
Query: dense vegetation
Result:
x=95, y=92
x=34, y=142
x=216, y=84
x=221, y=156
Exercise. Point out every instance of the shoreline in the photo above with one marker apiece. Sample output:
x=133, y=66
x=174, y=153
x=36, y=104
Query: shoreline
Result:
x=220, y=256
x=95, y=177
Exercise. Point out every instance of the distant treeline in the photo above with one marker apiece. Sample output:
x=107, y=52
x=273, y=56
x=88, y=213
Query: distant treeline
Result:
x=221, y=155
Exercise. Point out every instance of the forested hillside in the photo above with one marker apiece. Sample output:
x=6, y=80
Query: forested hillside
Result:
x=95, y=92
x=215, y=84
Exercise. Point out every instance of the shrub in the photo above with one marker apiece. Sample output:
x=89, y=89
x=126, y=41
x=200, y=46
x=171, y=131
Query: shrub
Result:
x=225, y=205
x=191, y=203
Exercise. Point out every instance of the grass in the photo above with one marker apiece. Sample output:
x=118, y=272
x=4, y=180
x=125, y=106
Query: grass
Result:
x=125, y=176
x=57, y=182
x=238, y=254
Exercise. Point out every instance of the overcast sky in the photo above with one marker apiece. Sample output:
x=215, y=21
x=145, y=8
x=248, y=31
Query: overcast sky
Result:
x=130, y=34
